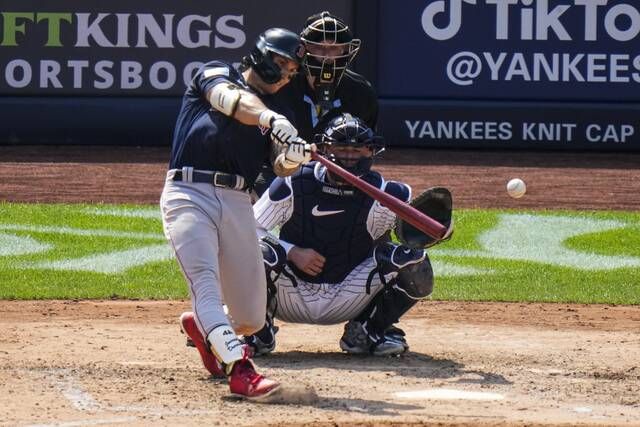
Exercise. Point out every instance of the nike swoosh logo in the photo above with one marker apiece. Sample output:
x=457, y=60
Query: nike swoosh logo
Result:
x=316, y=212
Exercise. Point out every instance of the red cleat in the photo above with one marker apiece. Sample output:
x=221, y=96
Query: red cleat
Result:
x=245, y=382
x=188, y=323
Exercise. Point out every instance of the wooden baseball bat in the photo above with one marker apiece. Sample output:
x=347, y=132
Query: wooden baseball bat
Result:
x=405, y=211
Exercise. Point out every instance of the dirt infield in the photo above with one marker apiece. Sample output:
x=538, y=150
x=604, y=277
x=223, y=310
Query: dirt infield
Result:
x=125, y=363
x=80, y=363
x=554, y=180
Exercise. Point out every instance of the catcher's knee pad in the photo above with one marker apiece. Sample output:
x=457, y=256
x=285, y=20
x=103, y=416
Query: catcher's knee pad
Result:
x=416, y=280
x=273, y=255
x=415, y=275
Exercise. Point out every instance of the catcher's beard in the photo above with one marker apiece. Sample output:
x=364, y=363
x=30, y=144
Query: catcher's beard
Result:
x=337, y=181
x=358, y=166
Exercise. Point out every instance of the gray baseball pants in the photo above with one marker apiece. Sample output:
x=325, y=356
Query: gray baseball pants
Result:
x=212, y=232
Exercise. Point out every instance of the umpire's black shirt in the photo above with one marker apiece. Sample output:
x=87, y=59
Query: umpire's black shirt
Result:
x=354, y=95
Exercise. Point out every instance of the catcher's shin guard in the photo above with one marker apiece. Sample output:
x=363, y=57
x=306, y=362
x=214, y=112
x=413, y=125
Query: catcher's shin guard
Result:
x=413, y=282
x=275, y=258
x=264, y=341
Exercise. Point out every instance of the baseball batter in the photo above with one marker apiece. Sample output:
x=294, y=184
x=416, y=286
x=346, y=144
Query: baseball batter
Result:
x=326, y=87
x=226, y=128
x=333, y=261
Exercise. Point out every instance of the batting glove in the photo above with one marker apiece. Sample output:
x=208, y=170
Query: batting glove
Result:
x=282, y=131
x=298, y=152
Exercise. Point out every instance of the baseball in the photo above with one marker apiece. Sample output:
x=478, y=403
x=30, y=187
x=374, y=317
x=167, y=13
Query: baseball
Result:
x=516, y=188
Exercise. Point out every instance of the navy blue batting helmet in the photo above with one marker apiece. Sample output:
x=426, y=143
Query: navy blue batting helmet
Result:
x=278, y=41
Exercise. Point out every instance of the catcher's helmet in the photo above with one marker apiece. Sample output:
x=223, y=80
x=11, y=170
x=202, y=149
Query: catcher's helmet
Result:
x=330, y=48
x=346, y=132
x=277, y=41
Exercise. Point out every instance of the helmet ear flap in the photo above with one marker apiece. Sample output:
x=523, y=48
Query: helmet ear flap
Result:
x=264, y=66
x=377, y=145
x=276, y=41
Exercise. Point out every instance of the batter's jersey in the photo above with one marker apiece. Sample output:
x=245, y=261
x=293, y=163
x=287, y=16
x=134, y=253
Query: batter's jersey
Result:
x=354, y=95
x=207, y=139
x=340, y=224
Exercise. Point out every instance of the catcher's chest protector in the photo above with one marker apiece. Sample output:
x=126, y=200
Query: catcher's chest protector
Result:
x=332, y=224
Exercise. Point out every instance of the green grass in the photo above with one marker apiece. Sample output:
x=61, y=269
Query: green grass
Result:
x=550, y=256
x=520, y=280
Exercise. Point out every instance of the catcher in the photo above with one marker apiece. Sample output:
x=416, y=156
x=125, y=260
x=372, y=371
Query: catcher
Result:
x=333, y=261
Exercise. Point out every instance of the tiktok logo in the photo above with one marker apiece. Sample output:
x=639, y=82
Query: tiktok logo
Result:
x=455, y=18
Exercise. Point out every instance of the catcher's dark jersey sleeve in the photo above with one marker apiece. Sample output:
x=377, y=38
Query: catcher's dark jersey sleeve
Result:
x=399, y=190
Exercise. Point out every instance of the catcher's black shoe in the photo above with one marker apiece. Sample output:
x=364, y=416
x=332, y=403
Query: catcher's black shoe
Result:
x=356, y=340
x=264, y=341
x=396, y=334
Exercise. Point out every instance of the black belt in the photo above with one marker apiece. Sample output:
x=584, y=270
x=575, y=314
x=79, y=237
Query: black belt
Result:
x=217, y=179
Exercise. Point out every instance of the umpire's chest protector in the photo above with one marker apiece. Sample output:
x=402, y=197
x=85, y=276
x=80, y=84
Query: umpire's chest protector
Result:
x=331, y=221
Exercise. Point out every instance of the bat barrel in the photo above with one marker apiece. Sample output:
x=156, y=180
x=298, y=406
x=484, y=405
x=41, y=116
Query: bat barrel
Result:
x=405, y=211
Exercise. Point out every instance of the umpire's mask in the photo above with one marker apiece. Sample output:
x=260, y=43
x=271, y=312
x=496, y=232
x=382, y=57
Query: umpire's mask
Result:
x=330, y=48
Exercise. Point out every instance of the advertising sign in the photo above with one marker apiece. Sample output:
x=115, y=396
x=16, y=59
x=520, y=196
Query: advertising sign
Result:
x=551, y=74
x=456, y=124
x=567, y=50
x=146, y=47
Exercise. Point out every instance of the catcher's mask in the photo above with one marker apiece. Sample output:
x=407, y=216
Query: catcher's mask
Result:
x=350, y=143
x=274, y=41
x=329, y=49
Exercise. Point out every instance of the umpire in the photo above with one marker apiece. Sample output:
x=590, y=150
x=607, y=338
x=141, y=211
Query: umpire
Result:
x=226, y=129
x=326, y=87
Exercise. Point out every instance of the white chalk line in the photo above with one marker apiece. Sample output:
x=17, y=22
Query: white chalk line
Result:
x=66, y=384
x=81, y=400
x=81, y=232
x=80, y=423
x=146, y=213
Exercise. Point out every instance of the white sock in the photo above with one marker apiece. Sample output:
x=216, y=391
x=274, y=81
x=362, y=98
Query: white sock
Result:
x=225, y=344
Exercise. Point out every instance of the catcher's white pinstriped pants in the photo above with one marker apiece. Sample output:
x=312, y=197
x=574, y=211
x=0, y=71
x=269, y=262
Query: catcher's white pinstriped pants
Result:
x=212, y=231
x=327, y=303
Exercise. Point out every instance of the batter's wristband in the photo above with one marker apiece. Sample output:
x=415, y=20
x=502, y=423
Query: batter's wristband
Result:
x=267, y=117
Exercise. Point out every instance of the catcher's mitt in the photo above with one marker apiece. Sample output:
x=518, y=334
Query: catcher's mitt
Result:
x=436, y=203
